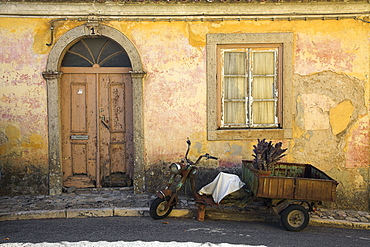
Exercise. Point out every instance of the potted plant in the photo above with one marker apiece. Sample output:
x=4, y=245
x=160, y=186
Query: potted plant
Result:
x=266, y=155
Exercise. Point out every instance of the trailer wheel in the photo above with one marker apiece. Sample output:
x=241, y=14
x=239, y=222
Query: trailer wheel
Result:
x=157, y=208
x=294, y=218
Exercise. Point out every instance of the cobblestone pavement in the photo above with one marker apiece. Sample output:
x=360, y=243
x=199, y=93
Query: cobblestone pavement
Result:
x=79, y=199
x=348, y=215
x=125, y=198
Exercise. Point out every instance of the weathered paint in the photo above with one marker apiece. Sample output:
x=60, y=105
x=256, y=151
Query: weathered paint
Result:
x=357, y=144
x=316, y=111
x=340, y=116
x=23, y=145
x=331, y=94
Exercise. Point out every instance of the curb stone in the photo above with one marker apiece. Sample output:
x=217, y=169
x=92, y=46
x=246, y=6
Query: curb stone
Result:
x=92, y=212
x=132, y=212
x=144, y=212
x=35, y=214
x=339, y=224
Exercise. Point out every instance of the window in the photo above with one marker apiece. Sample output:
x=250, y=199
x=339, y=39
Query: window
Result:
x=249, y=86
x=90, y=51
x=249, y=79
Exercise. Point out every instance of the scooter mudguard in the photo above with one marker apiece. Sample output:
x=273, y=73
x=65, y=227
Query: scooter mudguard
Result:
x=164, y=193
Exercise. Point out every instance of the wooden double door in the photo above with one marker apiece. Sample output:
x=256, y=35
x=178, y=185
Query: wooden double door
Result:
x=97, y=126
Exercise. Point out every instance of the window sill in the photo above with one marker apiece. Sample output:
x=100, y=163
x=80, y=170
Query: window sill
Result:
x=248, y=134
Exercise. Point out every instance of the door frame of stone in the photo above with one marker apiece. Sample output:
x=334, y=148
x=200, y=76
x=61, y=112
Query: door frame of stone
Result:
x=52, y=76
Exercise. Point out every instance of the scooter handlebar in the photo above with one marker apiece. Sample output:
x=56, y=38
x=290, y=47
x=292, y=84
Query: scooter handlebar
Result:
x=210, y=157
x=205, y=156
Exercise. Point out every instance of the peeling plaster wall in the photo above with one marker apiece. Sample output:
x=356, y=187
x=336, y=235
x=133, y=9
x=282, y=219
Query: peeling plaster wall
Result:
x=329, y=108
x=332, y=120
x=23, y=133
x=331, y=95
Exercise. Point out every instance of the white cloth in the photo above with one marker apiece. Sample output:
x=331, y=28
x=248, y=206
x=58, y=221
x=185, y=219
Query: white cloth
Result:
x=221, y=186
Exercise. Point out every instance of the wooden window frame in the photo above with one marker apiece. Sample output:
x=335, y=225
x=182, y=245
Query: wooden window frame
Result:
x=249, y=49
x=215, y=42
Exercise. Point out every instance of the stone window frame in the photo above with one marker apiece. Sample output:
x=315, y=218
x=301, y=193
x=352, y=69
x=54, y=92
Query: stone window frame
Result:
x=214, y=132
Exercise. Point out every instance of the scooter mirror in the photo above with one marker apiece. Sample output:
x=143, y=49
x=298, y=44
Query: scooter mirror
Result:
x=188, y=142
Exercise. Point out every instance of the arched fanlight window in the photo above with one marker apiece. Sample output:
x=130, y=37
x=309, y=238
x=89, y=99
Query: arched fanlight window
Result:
x=100, y=51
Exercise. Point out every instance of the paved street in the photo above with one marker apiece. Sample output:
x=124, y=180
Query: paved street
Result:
x=144, y=231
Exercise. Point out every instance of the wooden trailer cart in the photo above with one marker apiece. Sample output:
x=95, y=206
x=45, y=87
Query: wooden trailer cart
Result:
x=291, y=189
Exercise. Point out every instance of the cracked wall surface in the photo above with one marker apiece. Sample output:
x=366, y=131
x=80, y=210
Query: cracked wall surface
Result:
x=330, y=107
x=330, y=113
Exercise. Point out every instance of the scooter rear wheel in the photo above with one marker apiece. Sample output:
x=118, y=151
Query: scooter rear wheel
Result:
x=157, y=208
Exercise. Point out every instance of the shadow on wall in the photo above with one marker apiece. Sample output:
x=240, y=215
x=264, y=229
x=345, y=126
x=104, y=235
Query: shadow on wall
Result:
x=24, y=179
x=158, y=175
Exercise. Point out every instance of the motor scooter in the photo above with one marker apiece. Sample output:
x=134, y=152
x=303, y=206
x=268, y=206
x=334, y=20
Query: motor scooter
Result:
x=167, y=198
x=292, y=190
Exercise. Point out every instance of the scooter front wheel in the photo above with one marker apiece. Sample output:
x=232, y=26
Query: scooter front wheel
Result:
x=158, y=208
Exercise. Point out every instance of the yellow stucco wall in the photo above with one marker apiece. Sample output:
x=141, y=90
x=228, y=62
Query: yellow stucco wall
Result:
x=331, y=93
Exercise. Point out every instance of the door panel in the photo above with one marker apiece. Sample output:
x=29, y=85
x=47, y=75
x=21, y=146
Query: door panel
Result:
x=79, y=158
x=78, y=107
x=113, y=123
x=96, y=126
x=78, y=129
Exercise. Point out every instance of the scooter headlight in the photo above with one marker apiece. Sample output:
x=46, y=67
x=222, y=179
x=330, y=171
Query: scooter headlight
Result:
x=175, y=168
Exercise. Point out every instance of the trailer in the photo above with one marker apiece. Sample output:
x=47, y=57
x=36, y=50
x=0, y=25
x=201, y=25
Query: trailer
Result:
x=291, y=189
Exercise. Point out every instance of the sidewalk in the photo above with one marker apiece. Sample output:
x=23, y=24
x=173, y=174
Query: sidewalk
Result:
x=123, y=202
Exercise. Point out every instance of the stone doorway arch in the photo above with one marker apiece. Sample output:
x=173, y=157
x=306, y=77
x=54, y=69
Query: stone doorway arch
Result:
x=52, y=77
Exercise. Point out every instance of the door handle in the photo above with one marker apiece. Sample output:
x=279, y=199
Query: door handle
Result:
x=104, y=122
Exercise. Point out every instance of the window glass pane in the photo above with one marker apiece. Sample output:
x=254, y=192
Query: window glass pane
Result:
x=263, y=112
x=102, y=51
x=95, y=45
x=80, y=48
x=118, y=60
x=263, y=63
x=234, y=87
x=234, y=63
x=72, y=60
x=111, y=48
x=234, y=113
x=263, y=87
